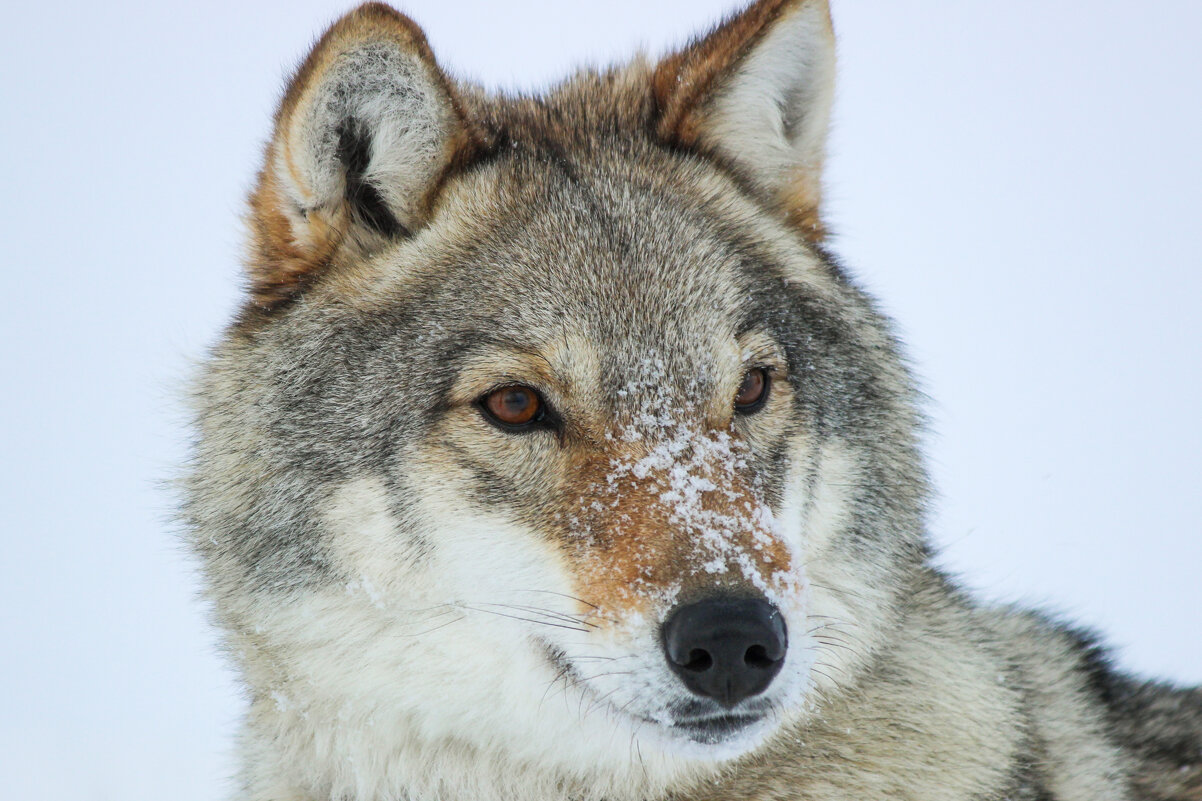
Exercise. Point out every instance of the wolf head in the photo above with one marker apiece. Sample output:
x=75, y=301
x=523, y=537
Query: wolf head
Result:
x=550, y=442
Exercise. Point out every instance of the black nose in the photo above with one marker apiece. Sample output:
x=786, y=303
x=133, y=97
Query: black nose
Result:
x=726, y=649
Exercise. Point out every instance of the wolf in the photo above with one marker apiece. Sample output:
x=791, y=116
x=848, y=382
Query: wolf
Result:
x=553, y=456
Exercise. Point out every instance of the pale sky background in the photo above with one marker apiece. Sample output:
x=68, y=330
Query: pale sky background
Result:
x=1020, y=182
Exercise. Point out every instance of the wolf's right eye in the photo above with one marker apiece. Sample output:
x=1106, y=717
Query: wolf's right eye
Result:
x=513, y=407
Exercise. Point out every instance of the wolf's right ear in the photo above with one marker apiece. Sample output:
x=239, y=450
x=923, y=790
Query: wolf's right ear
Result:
x=366, y=130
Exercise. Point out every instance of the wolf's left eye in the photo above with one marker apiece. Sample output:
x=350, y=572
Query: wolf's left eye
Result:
x=753, y=392
x=513, y=407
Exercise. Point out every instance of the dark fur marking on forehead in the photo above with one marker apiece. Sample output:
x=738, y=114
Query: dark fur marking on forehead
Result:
x=473, y=341
x=506, y=141
x=547, y=149
x=613, y=112
x=550, y=147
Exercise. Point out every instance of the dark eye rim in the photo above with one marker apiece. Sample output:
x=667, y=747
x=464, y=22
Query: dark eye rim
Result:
x=544, y=418
x=758, y=403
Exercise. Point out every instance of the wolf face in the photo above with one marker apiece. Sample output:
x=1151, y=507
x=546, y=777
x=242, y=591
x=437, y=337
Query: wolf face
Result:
x=551, y=449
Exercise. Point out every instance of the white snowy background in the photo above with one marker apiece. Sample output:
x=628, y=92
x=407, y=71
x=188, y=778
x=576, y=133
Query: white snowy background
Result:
x=1020, y=182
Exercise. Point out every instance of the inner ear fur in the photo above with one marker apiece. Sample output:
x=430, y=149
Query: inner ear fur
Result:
x=756, y=93
x=367, y=128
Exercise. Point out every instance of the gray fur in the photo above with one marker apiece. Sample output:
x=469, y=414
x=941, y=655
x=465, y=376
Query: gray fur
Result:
x=575, y=233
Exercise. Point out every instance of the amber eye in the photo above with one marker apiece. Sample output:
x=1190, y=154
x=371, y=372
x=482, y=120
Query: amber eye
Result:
x=753, y=391
x=513, y=406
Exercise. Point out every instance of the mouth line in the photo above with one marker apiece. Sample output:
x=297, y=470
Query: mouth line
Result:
x=718, y=720
x=714, y=725
x=708, y=729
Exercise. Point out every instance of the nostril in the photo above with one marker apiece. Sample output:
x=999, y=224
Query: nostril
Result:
x=699, y=661
x=726, y=649
x=757, y=657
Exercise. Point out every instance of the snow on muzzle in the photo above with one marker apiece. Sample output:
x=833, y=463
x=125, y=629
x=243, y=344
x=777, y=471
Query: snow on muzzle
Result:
x=659, y=526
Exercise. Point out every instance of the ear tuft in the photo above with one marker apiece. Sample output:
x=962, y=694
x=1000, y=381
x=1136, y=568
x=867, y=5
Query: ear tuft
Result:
x=756, y=94
x=367, y=129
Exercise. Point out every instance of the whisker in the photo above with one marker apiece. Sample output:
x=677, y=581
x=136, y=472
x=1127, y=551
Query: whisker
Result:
x=832, y=644
x=562, y=674
x=547, y=612
x=432, y=629
x=834, y=626
x=839, y=590
x=584, y=679
x=563, y=595
x=525, y=619
x=813, y=632
x=597, y=702
x=824, y=674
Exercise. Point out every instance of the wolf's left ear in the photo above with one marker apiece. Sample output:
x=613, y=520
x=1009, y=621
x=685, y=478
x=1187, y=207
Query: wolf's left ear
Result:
x=756, y=93
x=366, y=130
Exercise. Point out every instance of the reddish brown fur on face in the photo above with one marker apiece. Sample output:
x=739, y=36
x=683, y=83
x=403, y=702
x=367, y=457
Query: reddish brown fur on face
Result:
x=631, y=550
